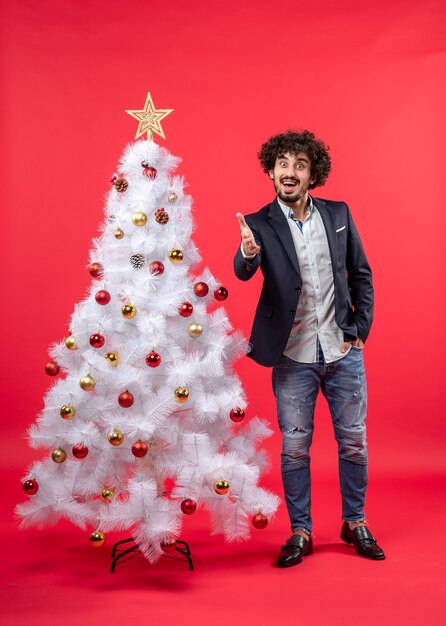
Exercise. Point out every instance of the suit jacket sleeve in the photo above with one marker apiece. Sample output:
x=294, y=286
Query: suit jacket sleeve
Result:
x=246, y=268
x=359, y=281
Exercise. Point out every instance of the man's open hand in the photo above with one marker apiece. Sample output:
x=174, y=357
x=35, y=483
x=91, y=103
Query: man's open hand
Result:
x=250, y=248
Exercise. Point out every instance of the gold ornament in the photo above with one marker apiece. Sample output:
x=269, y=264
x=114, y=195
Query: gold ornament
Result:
x=221, y=487
x=71, y=343
x=67, y=411
x=116, y=437
x=119, y=233
x=181, y=394
x=139, y=218
x=195, y=329
x=128, y=311
x=172, y=197
x=58, y=455
x=149, y=119
x=120, y=184
x=87, y=383
x=97, y=539
x=175, y=255
x=112, y=358
x=107, y=494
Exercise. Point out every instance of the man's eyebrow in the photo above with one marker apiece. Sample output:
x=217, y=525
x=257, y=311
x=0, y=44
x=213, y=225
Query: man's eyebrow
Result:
x=301, y=158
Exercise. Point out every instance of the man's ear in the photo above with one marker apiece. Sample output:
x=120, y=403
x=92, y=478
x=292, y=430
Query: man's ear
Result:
x=271, y=174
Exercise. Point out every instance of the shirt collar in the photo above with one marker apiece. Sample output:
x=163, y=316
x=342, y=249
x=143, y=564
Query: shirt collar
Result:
x=288, y=211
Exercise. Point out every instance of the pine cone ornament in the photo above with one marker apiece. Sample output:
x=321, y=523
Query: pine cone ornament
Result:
x=161, y=216
x=138, y=261
x=120, y=184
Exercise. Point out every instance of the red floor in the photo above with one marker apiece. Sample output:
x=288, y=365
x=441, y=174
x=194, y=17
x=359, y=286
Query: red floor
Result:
x=53, y=576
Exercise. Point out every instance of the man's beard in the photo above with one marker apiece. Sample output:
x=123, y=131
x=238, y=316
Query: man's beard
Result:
x=290, y=199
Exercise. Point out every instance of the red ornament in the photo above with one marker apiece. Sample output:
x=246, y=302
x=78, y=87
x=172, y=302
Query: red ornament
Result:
x=126, y=399
x=97, y=340
x=237, y=415
x=153, y=359
x=221, y=293
x=79, y=451
x=31, y=486
x=140, y=449
x=150, y=172
x=167, y=546
x=185, y=309
x=102, y=297
x=52, y=369
x=188, y=506
x=113, y=178
x=156, y=268
x=96, y=270
x=201, y=289
x=260, y=521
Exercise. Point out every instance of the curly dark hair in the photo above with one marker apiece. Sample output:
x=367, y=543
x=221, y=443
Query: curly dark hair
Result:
x=294, y=142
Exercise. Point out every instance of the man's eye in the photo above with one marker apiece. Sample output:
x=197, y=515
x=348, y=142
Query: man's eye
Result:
x=300, y=166
x=283, y=164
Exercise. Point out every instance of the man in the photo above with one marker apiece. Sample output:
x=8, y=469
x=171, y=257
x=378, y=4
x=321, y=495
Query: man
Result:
x=312, y=320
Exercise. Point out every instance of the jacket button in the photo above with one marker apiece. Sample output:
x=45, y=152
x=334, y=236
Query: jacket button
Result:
x=293, y=311
x=298, y=289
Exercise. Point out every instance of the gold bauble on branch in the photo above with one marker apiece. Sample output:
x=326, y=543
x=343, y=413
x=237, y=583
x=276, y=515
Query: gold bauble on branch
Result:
x=107, y=495
x=119, y=233
x=175, y=255
x=116, y=437
x=172, y=197
x=139, y=218
x=181, y=394
x=58, y=455
x=128, y=311
x=87, y=383
x=67, y=411
x=112, y=358
x=71, y=343
x=97, y=539
x=195, y=329
x=221, y=487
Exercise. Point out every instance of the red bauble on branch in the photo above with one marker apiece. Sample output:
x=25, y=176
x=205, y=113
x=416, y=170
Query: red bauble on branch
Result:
x=140, y=449
x=96, y=270
x=188, y=506
x=201, y=289
x=97, y=340
x=126, y=399
x=169, y=546
x=79, y=451
x=153, y=359
x=185, y=309
x=260, y=521
x=221, y=293
x=156, y=268
x=150, y=172
x=52, y=369
x=237, y=415
x=102, y=297
x=31, y=486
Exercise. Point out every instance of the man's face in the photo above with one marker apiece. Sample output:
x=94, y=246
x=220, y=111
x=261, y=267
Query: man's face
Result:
x=292, y=176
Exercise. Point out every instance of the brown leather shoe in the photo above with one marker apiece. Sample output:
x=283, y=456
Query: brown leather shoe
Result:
x=363, y=540
x=294, y=549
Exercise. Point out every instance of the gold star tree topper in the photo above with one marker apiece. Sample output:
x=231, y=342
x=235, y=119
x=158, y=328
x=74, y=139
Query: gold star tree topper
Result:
x=149, y=119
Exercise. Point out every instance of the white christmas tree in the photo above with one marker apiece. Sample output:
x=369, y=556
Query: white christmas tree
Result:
x=148, y=392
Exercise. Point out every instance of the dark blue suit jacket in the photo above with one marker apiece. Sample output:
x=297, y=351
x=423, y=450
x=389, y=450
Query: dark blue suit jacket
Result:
x=282, y=281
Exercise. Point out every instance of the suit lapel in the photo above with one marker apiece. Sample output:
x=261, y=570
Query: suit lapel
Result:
x=330, y=229
x=279, y=222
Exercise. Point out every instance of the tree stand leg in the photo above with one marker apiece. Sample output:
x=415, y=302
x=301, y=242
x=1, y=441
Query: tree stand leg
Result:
x=121, y=555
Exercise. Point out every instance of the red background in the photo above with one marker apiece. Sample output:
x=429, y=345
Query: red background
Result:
x=369, y=80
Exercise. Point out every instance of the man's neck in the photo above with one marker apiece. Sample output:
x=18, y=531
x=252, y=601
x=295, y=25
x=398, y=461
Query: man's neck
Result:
x=299, y=207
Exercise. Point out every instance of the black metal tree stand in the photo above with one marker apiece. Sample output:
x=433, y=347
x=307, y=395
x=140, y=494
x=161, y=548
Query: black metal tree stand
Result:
x=120, y=555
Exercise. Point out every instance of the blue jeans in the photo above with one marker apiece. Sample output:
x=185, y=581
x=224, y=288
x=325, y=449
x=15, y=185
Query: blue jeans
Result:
x=296, y=386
